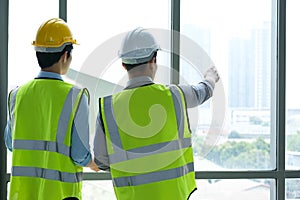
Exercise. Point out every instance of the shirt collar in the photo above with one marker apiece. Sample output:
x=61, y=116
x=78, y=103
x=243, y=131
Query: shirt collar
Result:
x=50, y=75
x=139, y=81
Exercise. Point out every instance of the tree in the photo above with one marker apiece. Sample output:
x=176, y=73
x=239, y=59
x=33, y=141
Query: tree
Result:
x=242, y=155
x=234, y=134
x=293, y=142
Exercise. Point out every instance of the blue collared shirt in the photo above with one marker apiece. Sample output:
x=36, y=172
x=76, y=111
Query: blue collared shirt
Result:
x=80, y=147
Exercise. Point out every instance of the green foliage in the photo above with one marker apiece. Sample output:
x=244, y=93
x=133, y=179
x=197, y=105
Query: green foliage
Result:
x=293, y=142
x=242, y=155
x=255, y=120
x=198, y=143
x=234, y=134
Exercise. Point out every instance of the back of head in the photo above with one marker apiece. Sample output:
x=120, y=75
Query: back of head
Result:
x=53, y=38
x=138, y=46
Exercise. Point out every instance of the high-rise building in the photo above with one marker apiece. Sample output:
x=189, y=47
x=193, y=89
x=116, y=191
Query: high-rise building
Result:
x=250, y=69
x=241, y=71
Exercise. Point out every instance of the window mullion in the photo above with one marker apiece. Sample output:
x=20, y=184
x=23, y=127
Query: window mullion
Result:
x=175, y=40
x=280, y=98
x=3, y=92
x=63, y=9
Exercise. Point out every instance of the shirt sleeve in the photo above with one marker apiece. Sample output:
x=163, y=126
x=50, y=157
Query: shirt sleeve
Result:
x=80, y=146
x=7, y=130
x=197, y=94
x=7, y=135
x=100, y=151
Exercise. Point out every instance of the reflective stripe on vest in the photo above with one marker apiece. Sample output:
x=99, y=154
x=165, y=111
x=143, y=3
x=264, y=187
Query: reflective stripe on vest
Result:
x=121, y=155
x=47, y=174
x=53, y=146
x=154, y=176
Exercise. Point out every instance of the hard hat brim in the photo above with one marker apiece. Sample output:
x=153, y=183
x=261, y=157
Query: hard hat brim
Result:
x=52, y=49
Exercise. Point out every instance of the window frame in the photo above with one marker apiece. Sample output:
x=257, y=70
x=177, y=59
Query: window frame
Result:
x=279, y=174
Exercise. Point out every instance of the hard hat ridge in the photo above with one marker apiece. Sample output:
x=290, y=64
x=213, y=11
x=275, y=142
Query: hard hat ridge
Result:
x=52, y=36
x=138, y=46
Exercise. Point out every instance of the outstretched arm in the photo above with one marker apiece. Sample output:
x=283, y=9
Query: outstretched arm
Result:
x=197, y=94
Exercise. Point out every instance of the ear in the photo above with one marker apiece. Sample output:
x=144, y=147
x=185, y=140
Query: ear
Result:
x=153, y=60
x=64, y=57
x=124, y=66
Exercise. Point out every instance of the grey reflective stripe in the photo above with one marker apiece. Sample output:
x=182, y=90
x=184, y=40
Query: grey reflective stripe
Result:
x=12, y=104
x=111, y=122
x=58, y=145
x=178, y=104
x=151, y=149
x=65, y=114
x=41, y=145
x=47, y=174
x=153, y=176
x=51, y=49
x=120, y=154
x=116, y=142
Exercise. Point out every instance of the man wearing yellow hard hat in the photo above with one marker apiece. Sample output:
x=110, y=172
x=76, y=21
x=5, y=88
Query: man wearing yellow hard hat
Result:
x=47, y=129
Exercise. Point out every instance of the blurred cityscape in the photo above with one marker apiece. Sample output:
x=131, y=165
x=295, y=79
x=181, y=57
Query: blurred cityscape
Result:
x=250, y=94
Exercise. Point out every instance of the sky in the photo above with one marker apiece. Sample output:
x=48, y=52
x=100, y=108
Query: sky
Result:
x=94, y=22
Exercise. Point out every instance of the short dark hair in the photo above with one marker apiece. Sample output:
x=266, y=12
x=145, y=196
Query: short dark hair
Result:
x=48, y=59
x=131, y=66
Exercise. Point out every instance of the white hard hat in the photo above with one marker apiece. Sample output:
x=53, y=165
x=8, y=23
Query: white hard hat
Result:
x=137, y=47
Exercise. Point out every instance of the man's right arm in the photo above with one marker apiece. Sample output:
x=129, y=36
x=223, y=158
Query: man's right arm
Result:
x=197, y=94
x=100, y=151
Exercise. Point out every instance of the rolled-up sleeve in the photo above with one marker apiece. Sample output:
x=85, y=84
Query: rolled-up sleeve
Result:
x=80, y=146
x=100, y=151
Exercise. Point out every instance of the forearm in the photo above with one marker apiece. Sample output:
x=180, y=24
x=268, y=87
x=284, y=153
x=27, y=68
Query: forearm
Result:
x=100, y=151
x=80, y=147
x=197, y=94
x=8, y=137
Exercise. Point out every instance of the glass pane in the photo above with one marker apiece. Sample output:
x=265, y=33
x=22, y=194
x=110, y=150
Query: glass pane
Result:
x=234, y=189
x=23, y=25
x=93, y=190
x=221, y=189
x=99, y=29
x=292, y=97
x=233, y=130
x=292, y=189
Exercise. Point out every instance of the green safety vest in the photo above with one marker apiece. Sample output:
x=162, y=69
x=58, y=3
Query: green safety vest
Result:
x=149, y=143
x=42, y=113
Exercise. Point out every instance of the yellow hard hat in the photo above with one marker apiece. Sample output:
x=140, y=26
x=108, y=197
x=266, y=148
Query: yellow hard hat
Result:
x=52, y=36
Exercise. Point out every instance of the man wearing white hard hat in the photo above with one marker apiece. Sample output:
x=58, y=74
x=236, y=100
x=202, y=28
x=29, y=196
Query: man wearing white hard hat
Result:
x=142, y=133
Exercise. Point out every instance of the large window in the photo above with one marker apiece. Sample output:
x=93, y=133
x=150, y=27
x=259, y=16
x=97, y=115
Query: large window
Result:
x=100, y=26
x=240, y=150
x=241, y=45
x=292, y=97
x=292, y=133
x=22, y=61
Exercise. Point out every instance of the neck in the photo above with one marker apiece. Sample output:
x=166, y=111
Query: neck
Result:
x=54, y=68
x=142, y=70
